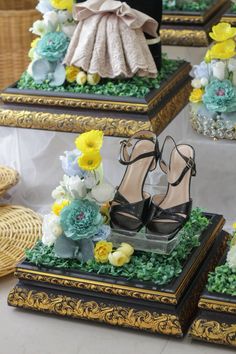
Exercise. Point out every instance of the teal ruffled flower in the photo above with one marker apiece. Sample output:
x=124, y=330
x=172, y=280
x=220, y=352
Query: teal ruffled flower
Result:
x=53, y=46
x=81, y=219
x=220, y=96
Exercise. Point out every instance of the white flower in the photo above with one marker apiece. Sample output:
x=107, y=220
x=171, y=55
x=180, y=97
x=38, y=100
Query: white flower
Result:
x=51, y=229
x=58, y=193
x=204, y=81
x=39, y=28
x=232, y=64
x=231, y=257
x=64, y=16
x=44, y=6
x=90, y=180
x=68, y=29
x=196, y=83
x=219, y=70
x=29, y=70
x=103, y=192
x=74, y=186
x=51, y=20
x=201, y=70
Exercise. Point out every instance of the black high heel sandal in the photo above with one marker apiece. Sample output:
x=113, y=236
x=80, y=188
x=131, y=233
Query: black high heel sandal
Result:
x=169, y=216
x=130, y=206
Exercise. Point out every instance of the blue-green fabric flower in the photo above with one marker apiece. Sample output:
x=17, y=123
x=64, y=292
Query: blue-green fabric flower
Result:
x=53, y=46
x=220, y=96
x=81, y=219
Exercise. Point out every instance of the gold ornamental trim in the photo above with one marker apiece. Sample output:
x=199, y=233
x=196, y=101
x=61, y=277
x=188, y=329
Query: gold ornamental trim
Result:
x=229, y=19
x=184, y=37
x=91, y=310
x=214, y=331
x=71, y=122
x=193, y=19
x=41, y=100
x=217, y=305
x=53, y=101
x=95, y=286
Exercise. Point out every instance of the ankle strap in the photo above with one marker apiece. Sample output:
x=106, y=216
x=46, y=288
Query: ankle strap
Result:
x=124, y=157
x=190, y=163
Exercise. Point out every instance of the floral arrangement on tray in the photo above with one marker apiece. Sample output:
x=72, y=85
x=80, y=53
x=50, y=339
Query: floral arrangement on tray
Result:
x=187, y=5
x=78, y=225
x=63, y=58
x=223, y=279
x=213, y=98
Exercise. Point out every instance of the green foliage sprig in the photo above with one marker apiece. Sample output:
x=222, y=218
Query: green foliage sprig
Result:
x=200, y=5
x=137, y=87
x=222, y=280
x=159, y=269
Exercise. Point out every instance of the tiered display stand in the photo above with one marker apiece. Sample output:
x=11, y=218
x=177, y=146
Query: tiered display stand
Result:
x=216, y=318
x=116, y=116
x=120, y=302
x=191, y=28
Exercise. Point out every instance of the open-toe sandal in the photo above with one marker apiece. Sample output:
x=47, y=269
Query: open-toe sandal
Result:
x=130, y=206
x=169, y=216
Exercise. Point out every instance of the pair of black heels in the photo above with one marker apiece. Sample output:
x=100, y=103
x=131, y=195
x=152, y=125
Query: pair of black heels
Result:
x=132, y=208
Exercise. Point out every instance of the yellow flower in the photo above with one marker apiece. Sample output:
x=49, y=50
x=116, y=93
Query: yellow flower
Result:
x=102, y=251
x=222, y=32
x=81, y=78
x=127, y=249
x=118, y=258
x=196, y=95
x=57, y=207
x=93, y=79
x=105, y=211
x=208, y=56
x=234, y=225
x=223, y=50
x=34, y=42
x=90, y=161
x=71, y=73
x=90, y=141
x=62, y=4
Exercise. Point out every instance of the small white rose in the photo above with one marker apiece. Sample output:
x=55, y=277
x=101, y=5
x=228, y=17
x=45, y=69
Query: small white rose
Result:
x=196, y=83
x=51, y=20
x=58, y=193
x=51, y=229
x=219, y=70
x=118, y=259
x=231, y=257
x=74, y=186
x=39, y=28
x=232, y=64
x=103, y=192
x=204, y=81
x=93, y=79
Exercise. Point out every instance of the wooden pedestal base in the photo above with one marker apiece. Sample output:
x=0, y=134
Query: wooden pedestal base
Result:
x=111, y=300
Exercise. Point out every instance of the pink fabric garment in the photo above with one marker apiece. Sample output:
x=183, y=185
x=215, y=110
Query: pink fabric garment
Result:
x=109, y=40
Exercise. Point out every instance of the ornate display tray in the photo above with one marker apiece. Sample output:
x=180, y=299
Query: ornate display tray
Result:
x=191, y=28
x=116, y=116
x=120, y=302
x=216, y=318
x=229, y=17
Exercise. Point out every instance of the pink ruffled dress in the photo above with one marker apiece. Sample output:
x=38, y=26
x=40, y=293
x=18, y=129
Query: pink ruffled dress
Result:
x=109, y=40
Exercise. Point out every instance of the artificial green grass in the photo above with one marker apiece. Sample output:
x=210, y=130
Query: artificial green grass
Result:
x=222, y=280
x=156, y=268
x=135, y=87
x=195, y=6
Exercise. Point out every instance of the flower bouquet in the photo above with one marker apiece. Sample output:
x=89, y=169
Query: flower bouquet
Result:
x=213, y=98
x=78, y=225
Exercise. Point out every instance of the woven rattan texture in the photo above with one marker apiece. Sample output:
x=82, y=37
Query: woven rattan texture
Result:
x=16, y=17
x=8, y=179
x=20, y=228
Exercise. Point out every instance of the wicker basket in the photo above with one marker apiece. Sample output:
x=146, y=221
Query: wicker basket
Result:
x=8, y=178
x=20, y=228
x=16, y=17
